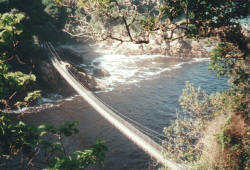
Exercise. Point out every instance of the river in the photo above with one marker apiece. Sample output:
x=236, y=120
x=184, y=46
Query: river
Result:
x=143, y=88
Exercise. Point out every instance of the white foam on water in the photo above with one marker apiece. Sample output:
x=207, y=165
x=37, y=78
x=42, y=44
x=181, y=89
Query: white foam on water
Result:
x=55, y=98
x=200, y=59
x=49, y=98
x=34, y=109
x=44, y=103
x=132, y=69
x=70, y=98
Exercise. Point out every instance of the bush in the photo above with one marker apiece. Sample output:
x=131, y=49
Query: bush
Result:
x=212, y=134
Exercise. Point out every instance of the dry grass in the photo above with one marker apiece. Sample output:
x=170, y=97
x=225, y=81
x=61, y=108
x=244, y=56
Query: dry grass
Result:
x=229, y=156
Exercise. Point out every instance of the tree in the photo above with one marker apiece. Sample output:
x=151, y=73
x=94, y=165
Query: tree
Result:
x=16, y=82
x=136, y=19
x=21, y=144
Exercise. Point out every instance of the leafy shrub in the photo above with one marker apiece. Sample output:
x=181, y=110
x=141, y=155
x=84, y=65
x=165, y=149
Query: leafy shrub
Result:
x=25, y=144
x=212, y=134
x=19, y=139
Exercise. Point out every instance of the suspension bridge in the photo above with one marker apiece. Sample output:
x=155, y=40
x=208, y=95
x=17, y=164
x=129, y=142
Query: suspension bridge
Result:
x=132, y=132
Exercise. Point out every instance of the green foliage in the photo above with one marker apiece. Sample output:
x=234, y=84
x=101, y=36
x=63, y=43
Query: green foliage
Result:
x=19, y=138
x=193, y=18
x=18, y=78
x=222, y=137
x=82, y=3
x=22, y=141
x=80, y=159
x=68, y=128
x=15, y=81
x=31, y=97
x=150, y=24
x=205, y=15
x=195, y=102
x=15, y=137
x=185, y=132
x=204, y=112
x=228, y=59
x=211, y=127
x=11, y=82
x=10, y=28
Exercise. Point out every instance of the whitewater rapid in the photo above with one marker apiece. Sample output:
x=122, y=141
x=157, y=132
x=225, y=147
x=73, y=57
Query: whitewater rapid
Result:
x=123, y=69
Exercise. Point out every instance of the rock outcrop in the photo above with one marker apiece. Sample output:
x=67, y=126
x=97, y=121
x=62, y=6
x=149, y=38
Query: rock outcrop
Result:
x=52, y=81
x=100, y=73
x=187, y=48
x=84, y=78
x=158, y=45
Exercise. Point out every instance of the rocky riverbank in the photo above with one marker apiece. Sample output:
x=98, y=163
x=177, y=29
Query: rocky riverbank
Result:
x=179, y=49
x=158, y=45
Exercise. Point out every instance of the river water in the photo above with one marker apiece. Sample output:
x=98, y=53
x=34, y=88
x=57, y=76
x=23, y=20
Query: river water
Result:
x=143, y=88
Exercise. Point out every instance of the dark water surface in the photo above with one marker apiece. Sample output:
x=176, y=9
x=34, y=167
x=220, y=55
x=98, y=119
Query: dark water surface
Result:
x=152, y=103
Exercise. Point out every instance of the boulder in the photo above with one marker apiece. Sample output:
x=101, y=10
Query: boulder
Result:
x=86, y=79
x=101, y=73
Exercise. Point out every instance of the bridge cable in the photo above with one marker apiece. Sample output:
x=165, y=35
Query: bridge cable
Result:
x=115, y=110
x=54, y=53
x=138, y=125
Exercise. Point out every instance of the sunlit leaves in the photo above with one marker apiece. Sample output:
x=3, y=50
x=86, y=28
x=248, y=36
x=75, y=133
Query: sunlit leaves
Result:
x=31, y=97
x=18, y=78
x=12, y=81
x=10, y=26
x=195, y=102
x=10, y=29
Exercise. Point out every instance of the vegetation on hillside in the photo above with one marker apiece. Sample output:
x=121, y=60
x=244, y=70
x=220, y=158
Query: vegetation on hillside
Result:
x=22, y=145
x=134, y=20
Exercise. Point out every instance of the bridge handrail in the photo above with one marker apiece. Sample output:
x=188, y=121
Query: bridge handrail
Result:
x=140, y=139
